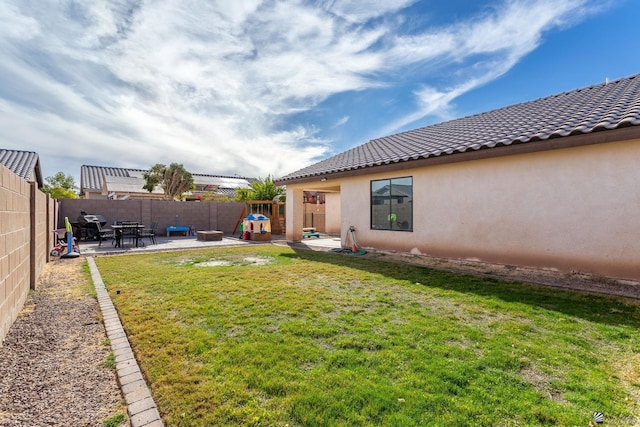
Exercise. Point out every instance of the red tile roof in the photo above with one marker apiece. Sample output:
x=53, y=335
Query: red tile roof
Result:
x=610, y=105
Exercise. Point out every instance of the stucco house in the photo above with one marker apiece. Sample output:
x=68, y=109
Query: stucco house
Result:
x=550, y=183
x=103, y=182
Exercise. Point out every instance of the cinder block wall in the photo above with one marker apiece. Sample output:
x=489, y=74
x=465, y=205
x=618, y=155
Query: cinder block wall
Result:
x=42, y=237
x=200, y=216
x=26, y=220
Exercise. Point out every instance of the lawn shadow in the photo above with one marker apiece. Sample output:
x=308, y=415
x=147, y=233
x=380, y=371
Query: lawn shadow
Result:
x=604, y=309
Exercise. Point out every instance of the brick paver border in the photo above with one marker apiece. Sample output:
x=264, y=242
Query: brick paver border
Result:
x=141, y=407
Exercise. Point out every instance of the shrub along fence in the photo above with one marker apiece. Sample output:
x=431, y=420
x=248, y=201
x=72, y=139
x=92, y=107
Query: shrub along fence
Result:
x=27, y=219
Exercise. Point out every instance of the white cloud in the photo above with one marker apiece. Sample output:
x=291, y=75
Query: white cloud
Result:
x=483, y=50
x=343, y=120
x=212, y=84
x=363, y=10
x=16, y=25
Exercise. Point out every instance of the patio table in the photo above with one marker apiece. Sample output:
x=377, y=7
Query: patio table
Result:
x=121, y=230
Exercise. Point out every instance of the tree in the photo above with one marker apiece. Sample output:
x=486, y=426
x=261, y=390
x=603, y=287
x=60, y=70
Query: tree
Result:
x=174, y=180
x=260, y=190
x=243, y=194
x=60, y=186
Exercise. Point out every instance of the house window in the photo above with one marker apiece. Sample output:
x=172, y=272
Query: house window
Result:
x=392, y=204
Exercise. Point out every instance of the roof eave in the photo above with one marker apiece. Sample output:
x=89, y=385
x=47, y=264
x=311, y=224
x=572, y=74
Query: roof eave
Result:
x=597, y=137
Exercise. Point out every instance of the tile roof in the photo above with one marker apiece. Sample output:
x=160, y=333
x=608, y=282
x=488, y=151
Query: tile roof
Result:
x=605, y=106
x=91, y=178
x=121, y=184
x=222, y=181
x=25, y=164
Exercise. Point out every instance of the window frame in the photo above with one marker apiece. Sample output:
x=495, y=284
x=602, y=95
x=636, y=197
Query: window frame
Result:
x=376, y=201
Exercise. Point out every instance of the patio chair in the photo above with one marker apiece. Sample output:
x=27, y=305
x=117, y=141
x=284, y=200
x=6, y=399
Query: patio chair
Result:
x=149, y=233
x=129, y=230
x=104, y=233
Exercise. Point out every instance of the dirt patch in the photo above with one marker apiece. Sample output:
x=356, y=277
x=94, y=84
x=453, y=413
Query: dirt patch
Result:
x=51, y=361
x=575, y=280
x=541, y=383
x=214, y=263
x=257, y=260
x=243, y=261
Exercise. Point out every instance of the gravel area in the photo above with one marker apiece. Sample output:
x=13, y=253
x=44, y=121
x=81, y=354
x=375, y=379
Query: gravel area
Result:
x=52, y=362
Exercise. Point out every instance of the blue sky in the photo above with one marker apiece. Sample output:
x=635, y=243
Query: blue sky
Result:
x=259, y=88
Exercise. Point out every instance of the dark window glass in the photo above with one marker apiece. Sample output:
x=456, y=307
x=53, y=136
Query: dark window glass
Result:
x=392, y=204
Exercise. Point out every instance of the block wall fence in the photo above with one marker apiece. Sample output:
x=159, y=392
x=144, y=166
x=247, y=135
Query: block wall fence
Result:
x=27, y=220
x=220, y=216
x=28, y=217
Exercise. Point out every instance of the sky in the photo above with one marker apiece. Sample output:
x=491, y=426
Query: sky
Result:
x=264, y=88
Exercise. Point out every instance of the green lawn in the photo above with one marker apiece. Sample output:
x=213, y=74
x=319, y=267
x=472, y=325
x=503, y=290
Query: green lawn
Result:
x=268, y=336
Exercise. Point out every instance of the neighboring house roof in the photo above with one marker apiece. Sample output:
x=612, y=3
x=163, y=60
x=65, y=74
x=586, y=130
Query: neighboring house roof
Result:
x=606, y=106
x=399, y=191
x=92, y=177
x=121, y=184
x=25, y=164
x=131, y=180
x=217, y=181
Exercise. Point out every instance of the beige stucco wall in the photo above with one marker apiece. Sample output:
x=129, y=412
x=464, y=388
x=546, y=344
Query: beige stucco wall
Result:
x=294, y=213
x=569, y=209
x=332, y=213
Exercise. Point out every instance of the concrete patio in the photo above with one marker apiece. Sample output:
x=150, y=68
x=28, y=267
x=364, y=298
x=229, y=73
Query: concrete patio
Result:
x=163, y=243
